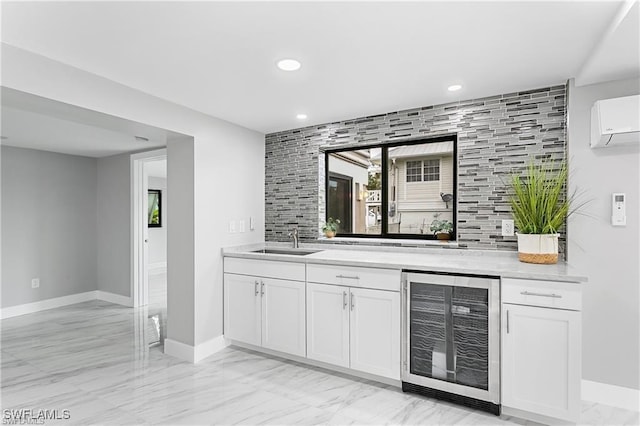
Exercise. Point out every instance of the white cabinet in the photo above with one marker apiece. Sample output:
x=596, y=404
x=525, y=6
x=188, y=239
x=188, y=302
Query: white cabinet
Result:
x=340, y=315
x=242, y=308
x=375, y=332
x=541, y=344
x=328, y=323
x=354, y=327
x=283, y=316
x=262, y=311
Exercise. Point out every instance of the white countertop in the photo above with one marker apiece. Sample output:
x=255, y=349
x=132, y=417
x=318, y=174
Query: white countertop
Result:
x=477, y=262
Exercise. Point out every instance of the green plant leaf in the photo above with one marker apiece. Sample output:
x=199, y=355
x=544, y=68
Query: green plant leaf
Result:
x=538, y=201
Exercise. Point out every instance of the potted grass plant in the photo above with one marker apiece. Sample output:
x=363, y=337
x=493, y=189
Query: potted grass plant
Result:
x=540, y=206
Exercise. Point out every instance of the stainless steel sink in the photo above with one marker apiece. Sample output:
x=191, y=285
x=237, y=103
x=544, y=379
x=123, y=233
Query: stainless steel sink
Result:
x=291, y=251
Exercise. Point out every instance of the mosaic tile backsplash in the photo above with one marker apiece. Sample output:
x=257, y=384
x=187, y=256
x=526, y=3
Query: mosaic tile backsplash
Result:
x=497, y=135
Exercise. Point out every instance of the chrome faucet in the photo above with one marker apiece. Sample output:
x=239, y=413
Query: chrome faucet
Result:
x=294, y=235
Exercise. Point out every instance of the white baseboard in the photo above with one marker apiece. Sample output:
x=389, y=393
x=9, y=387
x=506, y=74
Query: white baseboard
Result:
x=196, y=353
x=42, y=305
x=210, y=347
x=157, y=268
x=179, y=350
x=114, y=298
x=615, y=396
x=308, y=361
x=537, y=418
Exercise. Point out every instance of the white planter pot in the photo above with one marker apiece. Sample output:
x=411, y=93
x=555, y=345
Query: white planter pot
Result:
x=538, y=248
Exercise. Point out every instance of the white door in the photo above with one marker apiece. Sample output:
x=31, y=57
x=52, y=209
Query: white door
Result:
x=283, y=315
x=541, y=368
x=144, y=288
x=375, y=332
x=328, y=323
x=242, y=308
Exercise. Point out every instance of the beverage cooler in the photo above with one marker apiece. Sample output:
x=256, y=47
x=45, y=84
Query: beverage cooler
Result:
x=451, y=338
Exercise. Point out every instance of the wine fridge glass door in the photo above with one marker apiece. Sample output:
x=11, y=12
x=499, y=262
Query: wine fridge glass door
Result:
x=451, y=332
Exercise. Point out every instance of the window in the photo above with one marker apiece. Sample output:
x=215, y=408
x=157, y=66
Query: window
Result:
x=394, y=190
x=431, y=170
x=154, y=216
x=414, y=171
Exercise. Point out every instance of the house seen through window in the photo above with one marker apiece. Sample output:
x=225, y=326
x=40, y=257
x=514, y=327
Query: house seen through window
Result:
x=395, y=190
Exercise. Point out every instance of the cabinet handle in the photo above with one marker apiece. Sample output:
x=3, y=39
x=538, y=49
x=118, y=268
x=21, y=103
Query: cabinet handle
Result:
x=344, y=300
x=530, y=293
x=352, y=300
x=262, y=291
x=507, y=321
x=348, y=277
x=256, y=286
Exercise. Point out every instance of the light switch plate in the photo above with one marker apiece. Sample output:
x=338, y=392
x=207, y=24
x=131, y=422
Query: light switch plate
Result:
x=35, y=283
x=242, y=226
x=232, y=226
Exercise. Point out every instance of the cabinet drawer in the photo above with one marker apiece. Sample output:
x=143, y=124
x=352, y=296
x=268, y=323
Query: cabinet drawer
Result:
x=547, y=294
x=354, y=276
x=265, y=268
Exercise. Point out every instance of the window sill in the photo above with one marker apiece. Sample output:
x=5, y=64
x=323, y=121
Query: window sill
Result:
x=388, y=242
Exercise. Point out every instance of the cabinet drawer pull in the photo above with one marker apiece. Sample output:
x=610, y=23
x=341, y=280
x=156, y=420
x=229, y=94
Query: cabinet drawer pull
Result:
x=262, y=291
x=348, y=277
x=530, y=293
x=353, y=302
x=507, y=321
x=256, y=286
x=344, y=300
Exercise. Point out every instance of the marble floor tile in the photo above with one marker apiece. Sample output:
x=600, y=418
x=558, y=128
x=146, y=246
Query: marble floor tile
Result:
x=256, y=407
x=94, y=360
x=599, y=414
x=15, y=371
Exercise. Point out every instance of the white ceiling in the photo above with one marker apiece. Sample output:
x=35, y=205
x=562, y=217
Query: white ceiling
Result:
x=617, y=55
x=34, y=122
x=358, y=58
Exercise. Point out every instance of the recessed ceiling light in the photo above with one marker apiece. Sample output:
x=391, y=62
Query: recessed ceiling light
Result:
x=141, y=139
x=301, y=116
x=454, y=87
x=289, y=65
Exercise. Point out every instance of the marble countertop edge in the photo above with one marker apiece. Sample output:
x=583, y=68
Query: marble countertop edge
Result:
x=474, y=262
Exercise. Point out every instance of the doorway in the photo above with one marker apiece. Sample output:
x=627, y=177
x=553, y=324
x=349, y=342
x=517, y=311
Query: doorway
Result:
x=340, y=195
x=156, y=245
x=148, y=169
x=149, y=223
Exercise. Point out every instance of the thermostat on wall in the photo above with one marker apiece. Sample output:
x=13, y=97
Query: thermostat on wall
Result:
x=618, y=209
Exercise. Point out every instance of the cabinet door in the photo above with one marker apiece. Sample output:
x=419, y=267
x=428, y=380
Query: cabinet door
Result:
x=328, y=323
x=242, y=308
x=283, y=316
x=375, y=332
x=541, y=360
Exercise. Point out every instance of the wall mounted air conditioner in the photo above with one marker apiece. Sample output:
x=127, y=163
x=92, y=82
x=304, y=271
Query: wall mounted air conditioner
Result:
x=615, y=122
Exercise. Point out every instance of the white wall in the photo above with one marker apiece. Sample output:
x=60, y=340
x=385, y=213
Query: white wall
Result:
x=229, y=185
x=48, y=225
x=609, y=256
x=223, y=169
x=158, y=236
x=114, y=223
x=180, y=241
